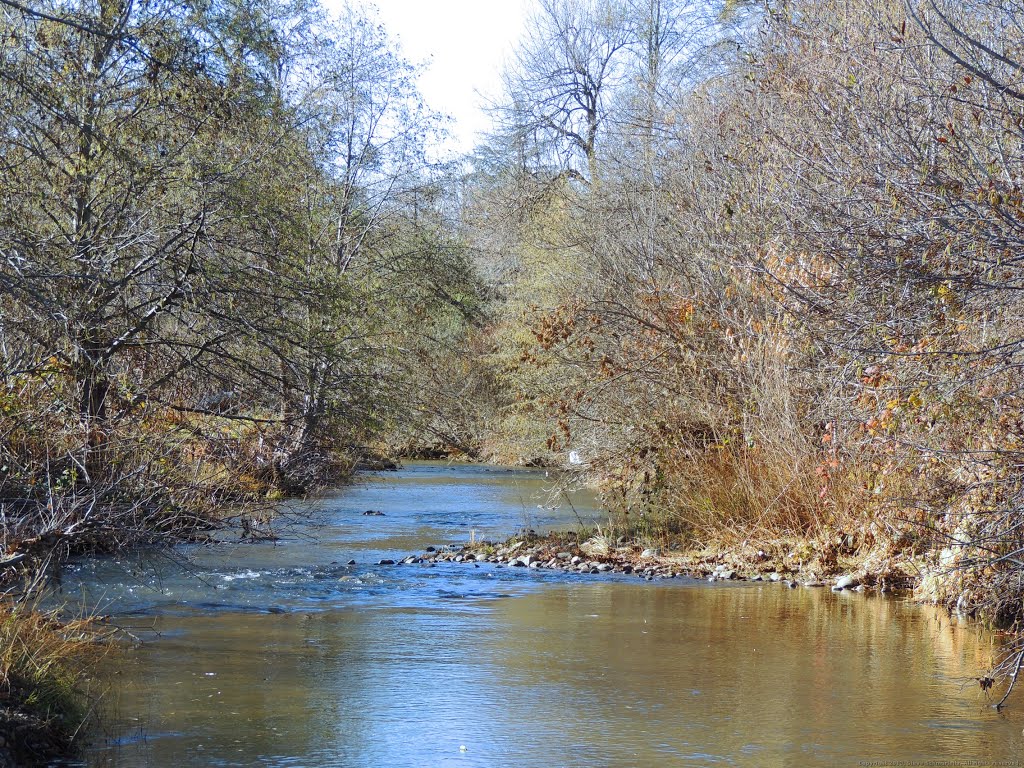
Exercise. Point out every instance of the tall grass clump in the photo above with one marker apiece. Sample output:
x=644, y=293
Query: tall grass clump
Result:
x=46, y=688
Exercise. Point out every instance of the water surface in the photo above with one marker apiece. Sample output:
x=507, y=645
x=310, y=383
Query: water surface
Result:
x=283, y=655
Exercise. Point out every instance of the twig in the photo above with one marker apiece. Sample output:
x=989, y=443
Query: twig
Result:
x=1013, y=678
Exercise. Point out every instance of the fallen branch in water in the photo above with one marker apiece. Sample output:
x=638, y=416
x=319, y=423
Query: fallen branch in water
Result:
x=1017, y=664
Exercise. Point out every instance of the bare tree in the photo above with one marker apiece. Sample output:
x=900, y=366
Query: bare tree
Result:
x=559, y=85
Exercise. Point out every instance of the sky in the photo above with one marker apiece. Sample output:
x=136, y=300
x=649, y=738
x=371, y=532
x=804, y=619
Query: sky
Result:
x=463, y=44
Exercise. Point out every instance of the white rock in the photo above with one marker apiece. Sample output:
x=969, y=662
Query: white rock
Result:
x=849, y=581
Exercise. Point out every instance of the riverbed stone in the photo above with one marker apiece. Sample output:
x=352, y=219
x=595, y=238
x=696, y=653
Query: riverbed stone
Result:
x=849, y=581
x=385, y=561
x=604, y=567
x=576, y=560
x=564, y=556
x=648, y=553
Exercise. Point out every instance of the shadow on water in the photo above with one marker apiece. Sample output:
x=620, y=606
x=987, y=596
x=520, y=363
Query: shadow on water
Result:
x=281, y=655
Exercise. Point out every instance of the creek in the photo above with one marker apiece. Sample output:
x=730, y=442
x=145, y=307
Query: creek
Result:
x=281, y=654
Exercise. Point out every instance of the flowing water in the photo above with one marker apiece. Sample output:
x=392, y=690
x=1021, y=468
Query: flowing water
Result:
x=281, y=654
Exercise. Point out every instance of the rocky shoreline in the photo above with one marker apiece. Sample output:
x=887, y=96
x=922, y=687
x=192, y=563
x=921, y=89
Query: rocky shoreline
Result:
x=565, y=553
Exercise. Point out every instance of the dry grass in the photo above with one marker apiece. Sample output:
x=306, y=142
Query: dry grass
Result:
x=723, y=496
x=757, y=493
x=46, y=691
